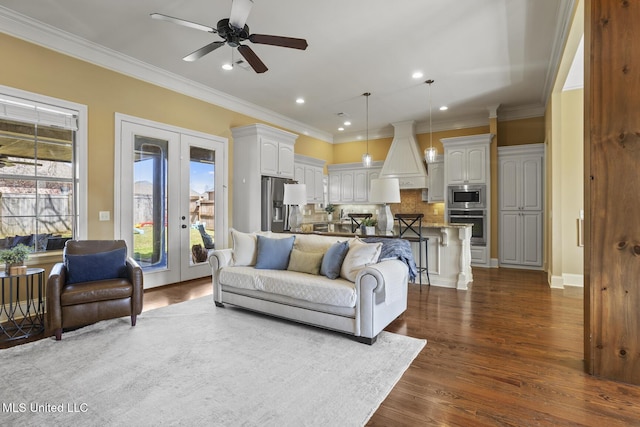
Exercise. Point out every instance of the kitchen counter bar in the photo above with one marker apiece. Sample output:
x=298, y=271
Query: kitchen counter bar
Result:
x=449, y=251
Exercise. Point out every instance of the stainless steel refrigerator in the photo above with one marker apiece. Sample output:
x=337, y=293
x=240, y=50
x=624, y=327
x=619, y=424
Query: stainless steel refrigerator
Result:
x=275, y=214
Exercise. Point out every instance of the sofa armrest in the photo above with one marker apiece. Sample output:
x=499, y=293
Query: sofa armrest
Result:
x=392, y=274
x=382, y=296
x=220, y=258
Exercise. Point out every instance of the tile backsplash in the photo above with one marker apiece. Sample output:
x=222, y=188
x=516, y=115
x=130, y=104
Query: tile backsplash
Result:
x=411, y=203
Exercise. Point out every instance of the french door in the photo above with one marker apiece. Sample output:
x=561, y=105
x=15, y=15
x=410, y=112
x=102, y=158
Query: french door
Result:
x=170, y=201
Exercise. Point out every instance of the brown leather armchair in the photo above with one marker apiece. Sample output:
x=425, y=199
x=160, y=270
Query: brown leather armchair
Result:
x=72, y=302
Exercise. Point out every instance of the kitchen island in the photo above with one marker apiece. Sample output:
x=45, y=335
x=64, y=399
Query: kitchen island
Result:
x=449, y=251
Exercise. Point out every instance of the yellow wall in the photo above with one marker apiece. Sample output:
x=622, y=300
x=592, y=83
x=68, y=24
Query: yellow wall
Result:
x=572, y=182
x=351, y=152
x=521, y=131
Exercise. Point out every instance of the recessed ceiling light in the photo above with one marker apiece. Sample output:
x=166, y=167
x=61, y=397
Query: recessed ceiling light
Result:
x=340, y=129
x=444, y=108
x=417, y=75
x=227, y=66
x=300, y=100
x=347, y=123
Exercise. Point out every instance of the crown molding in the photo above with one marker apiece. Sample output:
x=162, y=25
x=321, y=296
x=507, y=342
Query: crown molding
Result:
x=521, y=112
x=33, y=31
x=565, y=11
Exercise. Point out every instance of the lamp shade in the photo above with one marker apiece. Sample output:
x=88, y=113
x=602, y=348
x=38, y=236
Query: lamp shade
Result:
x=295, y=194
x=385, y=190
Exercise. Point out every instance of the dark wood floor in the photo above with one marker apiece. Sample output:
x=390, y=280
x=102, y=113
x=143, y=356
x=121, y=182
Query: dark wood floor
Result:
x=506, y=352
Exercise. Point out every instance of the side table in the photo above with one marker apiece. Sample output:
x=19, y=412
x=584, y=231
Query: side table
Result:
x=21, y=305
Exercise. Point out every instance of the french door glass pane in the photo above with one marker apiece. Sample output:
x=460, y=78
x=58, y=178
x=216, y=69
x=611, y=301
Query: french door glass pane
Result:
x=150, y=202
x=201, y=201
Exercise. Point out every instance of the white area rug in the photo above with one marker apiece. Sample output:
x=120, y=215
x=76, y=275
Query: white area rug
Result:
x=195, y=364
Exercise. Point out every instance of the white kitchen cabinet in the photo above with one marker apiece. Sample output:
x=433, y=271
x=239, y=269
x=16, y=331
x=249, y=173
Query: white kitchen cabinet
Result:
x=309, y=171
x=258, y=150
x=350, y=182
x=360, y=186
x=520, y=181
x=467, y=165
x=335, y=185
x=520, y=239
x=346, y=186
x=276, y=158
x=520, y=188
x=436, y=181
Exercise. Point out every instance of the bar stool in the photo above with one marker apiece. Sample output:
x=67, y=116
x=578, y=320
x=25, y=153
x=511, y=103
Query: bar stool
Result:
x=356, y=218
x=412, y=222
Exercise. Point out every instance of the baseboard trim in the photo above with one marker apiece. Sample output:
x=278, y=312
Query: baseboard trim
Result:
x=559, y=282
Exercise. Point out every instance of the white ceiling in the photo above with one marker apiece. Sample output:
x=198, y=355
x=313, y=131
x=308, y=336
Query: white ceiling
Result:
x=483, y=54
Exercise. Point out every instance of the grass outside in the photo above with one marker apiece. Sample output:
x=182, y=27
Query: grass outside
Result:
x=143, y=243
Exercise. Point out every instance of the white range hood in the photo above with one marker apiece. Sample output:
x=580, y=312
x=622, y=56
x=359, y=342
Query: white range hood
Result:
x=404, y=160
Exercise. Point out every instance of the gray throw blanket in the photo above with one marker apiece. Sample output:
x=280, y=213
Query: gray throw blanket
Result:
x=396, y=248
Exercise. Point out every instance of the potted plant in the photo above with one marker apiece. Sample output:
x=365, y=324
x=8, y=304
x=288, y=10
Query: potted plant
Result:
x=329, y=209
x=14, y=259
x=368, y=226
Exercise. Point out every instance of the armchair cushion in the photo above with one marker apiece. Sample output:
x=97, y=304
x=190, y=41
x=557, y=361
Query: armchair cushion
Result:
x=98, y=266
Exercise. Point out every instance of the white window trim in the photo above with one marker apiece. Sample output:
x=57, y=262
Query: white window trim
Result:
x=81, y=148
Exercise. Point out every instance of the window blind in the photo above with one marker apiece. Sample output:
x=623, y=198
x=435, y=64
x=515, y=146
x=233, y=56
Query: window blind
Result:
x=17, y=109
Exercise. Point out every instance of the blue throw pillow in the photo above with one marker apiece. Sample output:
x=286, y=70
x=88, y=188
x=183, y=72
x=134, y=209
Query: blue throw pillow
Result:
x=332, y=260
x=273, y=254
x=100, y=266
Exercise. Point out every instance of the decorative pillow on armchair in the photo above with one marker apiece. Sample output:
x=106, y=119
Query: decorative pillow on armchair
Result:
x=100, y=266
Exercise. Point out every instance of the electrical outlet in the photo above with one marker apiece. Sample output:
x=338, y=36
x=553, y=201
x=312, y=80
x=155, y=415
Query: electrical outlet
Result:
x=105, y=216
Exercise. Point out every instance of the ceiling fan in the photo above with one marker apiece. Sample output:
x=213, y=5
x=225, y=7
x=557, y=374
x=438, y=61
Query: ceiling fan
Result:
x=234, y=31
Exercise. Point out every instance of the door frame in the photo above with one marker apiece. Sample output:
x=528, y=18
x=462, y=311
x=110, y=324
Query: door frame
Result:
x=120, y=211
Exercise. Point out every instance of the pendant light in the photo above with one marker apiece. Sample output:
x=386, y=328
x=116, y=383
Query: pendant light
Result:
x=430, y=153
x=366, y=157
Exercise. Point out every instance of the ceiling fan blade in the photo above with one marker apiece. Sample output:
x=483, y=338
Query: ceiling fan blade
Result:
x=253, y=60
x=279, y=41
x=240, y=12
x=183, y=22
x=203, y=51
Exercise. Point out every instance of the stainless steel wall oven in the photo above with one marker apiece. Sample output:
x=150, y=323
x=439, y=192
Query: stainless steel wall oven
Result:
x=477, y=218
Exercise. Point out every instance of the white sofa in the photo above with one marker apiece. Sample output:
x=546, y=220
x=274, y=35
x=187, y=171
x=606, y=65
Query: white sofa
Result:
x=362, y=307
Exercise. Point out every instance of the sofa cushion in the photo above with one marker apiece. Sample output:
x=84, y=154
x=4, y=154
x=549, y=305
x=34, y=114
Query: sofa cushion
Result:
x=305, y=262
x=360, y=255
x=316, y=289
x=333, y=258
x=244, y=248
x=98, y=266
x=273, y=254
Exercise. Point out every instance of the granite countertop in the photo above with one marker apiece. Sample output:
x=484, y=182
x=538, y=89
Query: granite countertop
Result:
x=424, y=225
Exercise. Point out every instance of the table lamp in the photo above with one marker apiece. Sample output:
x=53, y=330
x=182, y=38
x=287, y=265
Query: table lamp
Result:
x=385, y=190
x=295, y=195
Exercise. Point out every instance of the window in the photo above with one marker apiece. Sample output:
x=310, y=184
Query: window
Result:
x=39, y=175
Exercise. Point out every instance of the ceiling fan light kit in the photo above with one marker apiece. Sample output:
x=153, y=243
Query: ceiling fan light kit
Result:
x=234, y=31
